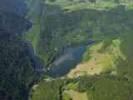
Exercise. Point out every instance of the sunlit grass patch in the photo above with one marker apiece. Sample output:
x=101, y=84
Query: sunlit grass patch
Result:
x=75, y=95
x=77, y=5
x=99, y=61
x=98, y=6
x=72, y=86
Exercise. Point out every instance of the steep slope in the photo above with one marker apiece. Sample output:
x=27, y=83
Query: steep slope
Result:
x=54, y=30
x=105, y=72
x=16, y=63
x=57, y=25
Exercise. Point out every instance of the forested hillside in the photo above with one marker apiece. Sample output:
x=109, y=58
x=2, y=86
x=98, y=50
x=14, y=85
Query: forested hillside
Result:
x=16, y=63
x=66, y=50
x=105, y=69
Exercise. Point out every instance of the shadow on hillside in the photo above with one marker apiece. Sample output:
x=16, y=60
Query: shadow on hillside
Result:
x=100, y=25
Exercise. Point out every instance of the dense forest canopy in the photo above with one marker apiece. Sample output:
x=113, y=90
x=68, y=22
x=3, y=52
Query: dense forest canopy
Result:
x=16, y=63
x=66, y=50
